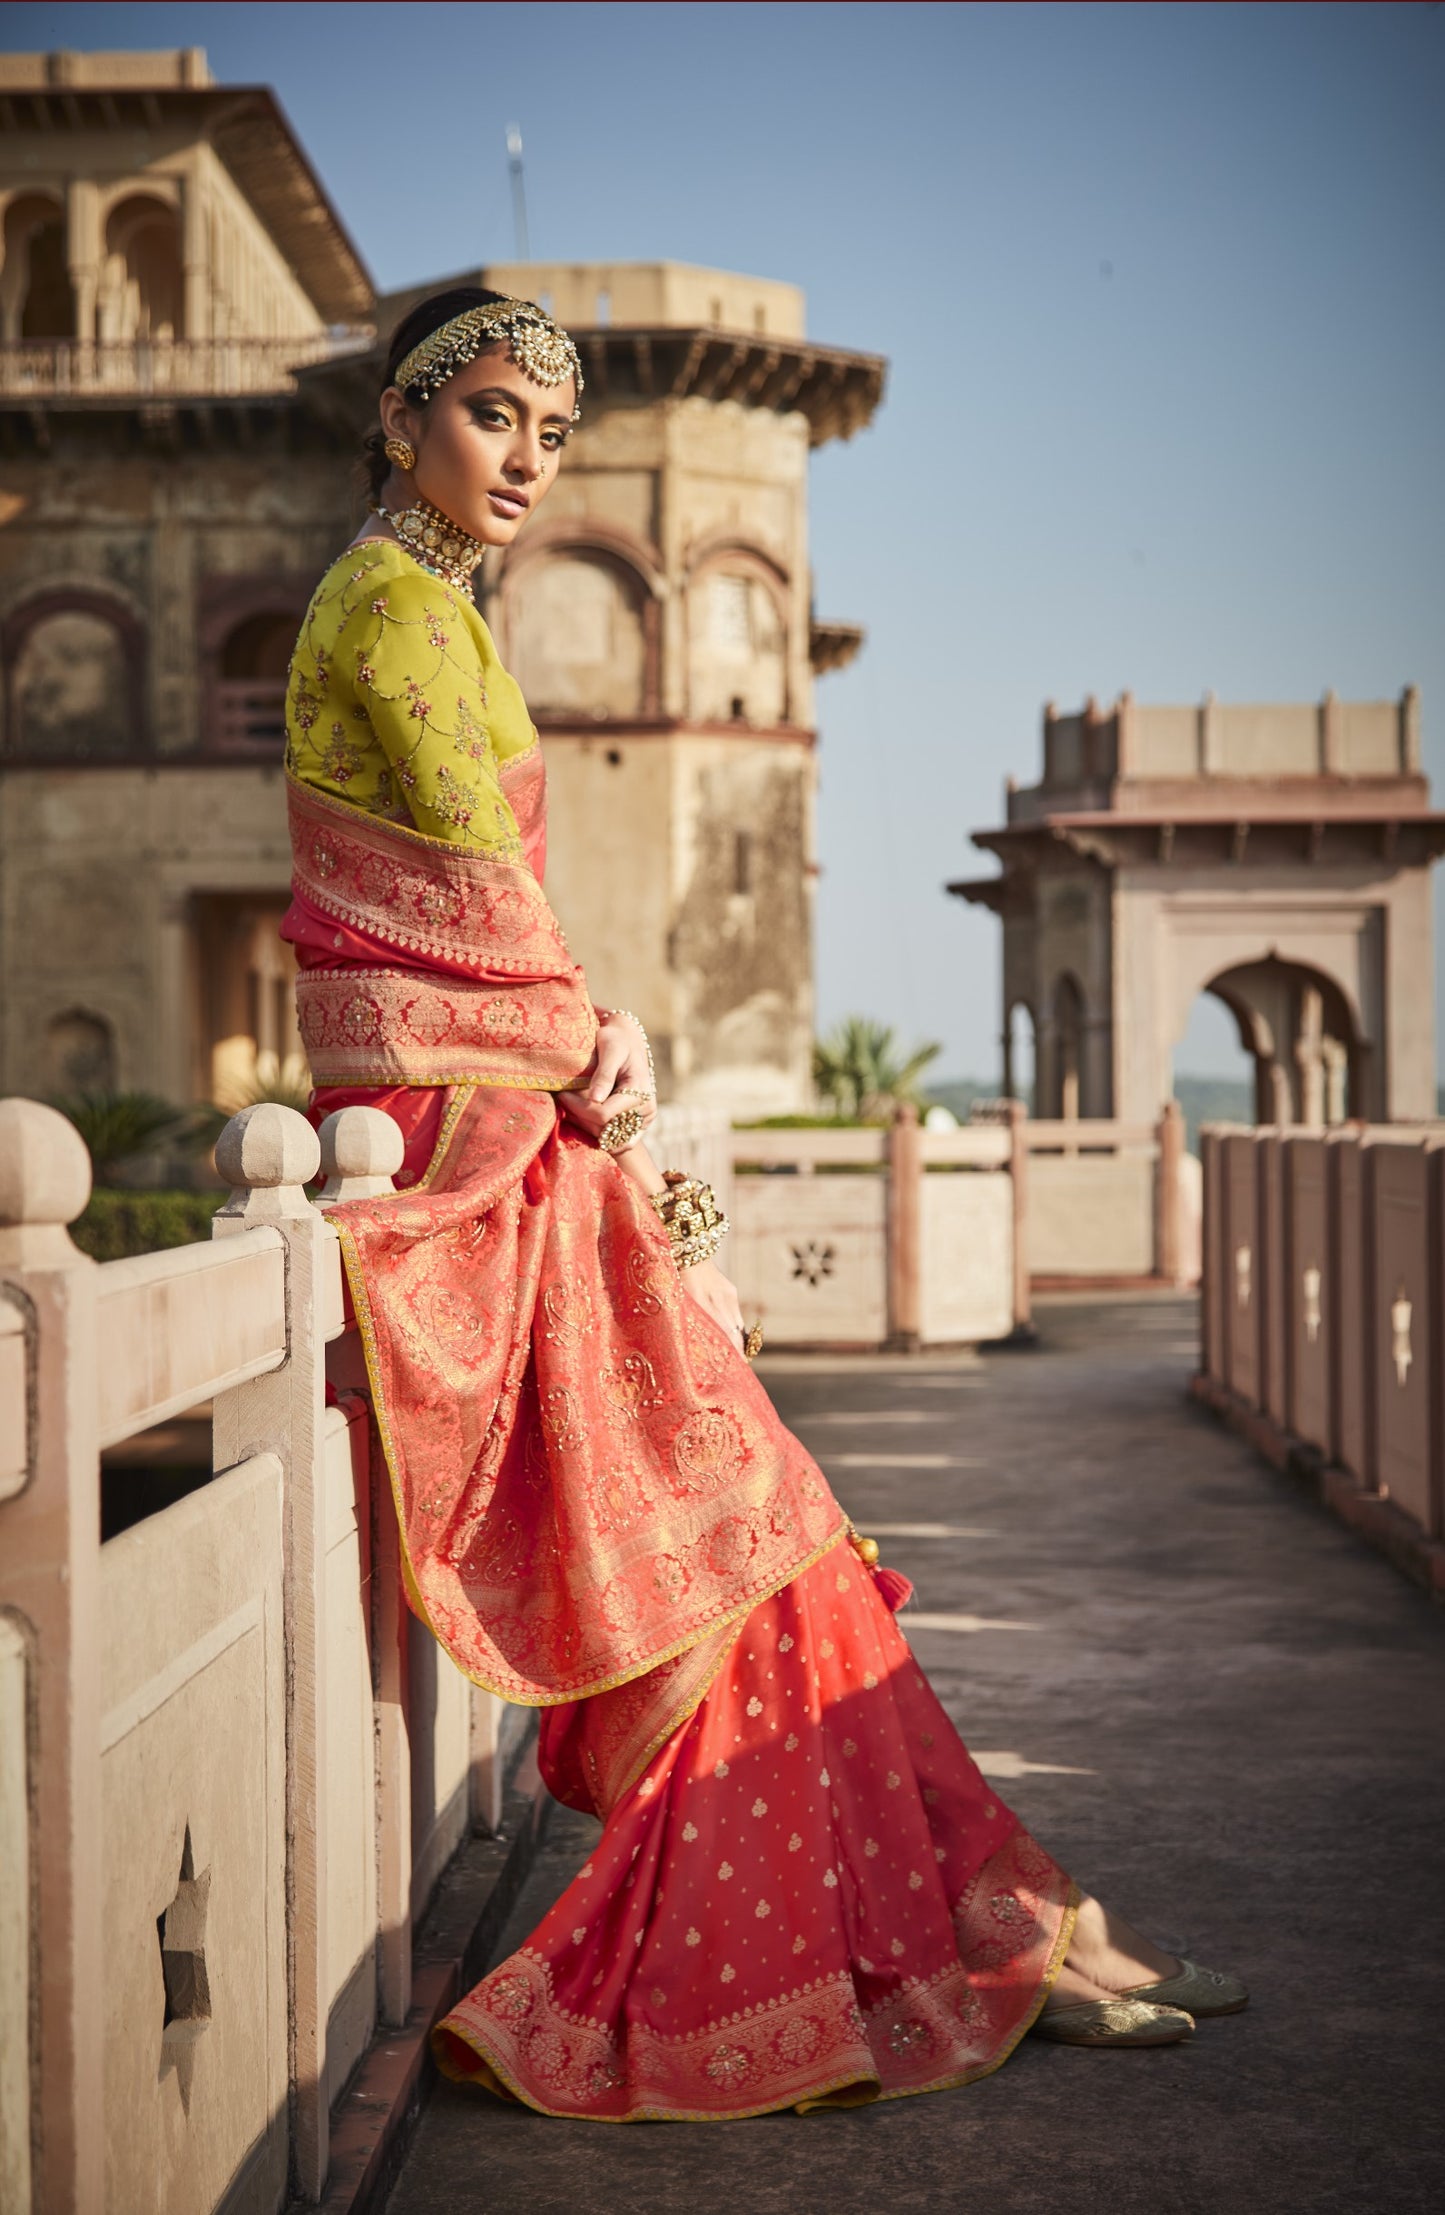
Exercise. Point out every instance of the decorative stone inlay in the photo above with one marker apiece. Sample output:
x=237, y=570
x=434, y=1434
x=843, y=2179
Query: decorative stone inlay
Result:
x=1401, y=1354
x=182, y=1934
x=813, y=1262
x=1310, y=1284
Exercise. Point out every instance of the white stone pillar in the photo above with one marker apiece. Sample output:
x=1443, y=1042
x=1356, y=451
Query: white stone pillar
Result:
x=196, y=255
x=361, y=1150
x=50, y=1593
x=268, y=1154
x=83, y=253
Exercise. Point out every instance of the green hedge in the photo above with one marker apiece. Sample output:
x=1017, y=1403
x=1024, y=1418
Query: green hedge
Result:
x=813, y=1123
x=119, y=1224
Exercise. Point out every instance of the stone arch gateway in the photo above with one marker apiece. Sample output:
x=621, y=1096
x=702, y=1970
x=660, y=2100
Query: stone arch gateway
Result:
x=1278, y=857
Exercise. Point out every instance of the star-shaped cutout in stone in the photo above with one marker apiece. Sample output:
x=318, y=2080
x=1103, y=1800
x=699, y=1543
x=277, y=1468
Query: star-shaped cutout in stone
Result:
x=812, y=1262
x=182, y=1933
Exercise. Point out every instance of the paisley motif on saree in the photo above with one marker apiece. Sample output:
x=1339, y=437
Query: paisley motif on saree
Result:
x=483, y=990
x=804, y=1891
x=590, y=1480
x=809, y=1897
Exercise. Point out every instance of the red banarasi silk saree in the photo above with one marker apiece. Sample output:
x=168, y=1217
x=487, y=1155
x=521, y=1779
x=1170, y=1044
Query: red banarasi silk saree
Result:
x=804, y=1892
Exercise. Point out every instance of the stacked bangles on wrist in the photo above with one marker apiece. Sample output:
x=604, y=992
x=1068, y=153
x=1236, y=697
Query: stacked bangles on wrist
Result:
x=688, y=1211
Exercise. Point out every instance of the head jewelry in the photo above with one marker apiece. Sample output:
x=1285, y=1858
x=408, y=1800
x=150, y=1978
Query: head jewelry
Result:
x=540, y=348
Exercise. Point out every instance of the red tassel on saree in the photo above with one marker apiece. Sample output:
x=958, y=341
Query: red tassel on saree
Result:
x=804, y=1892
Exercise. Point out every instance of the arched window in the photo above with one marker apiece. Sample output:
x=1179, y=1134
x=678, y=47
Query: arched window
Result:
x=74, y=679
x=578, y=635
x=35, y=294
x=248, y=628
x=1297, y=1029
x=143, y=291
x=738, y=646
x=79, y=1053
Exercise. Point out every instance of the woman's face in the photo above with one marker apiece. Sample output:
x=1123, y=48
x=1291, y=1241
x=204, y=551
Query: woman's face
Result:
x=487, y=445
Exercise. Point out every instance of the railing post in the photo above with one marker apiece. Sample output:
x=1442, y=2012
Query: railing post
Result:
x=486, y=1766
x=268, y=1154
x=1018, y=1169
x=51, y=2024
x=1168, y=1238
x=361, y=1151
x=1211, y=1350
x=905, y=1210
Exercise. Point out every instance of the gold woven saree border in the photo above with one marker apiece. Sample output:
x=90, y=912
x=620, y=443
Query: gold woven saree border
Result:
x=400, y=1026
x=366, y=1327
x=421, y=894
x=847, y=2090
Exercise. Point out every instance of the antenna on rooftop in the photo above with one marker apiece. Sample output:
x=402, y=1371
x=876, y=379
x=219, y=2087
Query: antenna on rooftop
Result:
x=519, y=192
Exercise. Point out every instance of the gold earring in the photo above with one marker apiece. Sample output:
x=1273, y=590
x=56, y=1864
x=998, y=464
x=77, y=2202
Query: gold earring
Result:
x=400, y=452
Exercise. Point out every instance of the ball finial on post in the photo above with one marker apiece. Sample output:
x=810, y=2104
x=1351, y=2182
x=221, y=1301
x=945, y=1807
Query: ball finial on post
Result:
x=45, y=1181
x=267, y=1154
x=361, y=1151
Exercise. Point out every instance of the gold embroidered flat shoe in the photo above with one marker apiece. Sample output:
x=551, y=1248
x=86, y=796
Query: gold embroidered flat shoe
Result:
x=1123, y=2022
x=1199, y=1991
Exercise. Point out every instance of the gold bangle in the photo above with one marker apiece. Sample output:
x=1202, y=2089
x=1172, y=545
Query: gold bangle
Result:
x=624, y=1128
x=689, y=1213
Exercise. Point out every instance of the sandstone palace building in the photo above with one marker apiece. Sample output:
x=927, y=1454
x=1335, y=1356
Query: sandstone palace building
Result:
x=189, y=354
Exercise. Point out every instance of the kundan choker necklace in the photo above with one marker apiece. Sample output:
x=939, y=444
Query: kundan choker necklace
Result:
x=436, y=541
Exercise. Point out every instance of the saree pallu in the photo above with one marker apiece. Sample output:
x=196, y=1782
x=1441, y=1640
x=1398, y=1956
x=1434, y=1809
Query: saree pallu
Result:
x=589, y=1480
x=805, y=1892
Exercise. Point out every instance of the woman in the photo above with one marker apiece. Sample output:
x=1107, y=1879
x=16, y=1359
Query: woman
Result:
x=805, y=1893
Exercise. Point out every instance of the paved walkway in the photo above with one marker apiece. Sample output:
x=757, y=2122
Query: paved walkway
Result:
x=1214, y=1706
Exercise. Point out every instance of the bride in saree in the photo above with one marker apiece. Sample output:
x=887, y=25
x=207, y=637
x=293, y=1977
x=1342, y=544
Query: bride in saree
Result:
x=805, y=1893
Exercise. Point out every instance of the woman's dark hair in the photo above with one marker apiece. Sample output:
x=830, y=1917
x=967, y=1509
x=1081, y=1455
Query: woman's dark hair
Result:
x=427, y=316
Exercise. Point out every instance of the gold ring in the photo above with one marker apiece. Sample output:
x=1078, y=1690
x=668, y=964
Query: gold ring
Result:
x=618, y=1134
x=753, y=1341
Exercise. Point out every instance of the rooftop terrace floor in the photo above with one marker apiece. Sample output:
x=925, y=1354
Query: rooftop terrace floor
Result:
x=1217, y=1709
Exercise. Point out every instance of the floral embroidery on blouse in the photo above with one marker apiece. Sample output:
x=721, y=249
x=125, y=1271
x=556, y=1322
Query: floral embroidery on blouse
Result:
x=419, y=713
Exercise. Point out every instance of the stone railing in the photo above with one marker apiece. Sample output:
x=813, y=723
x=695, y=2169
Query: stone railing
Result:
x=1113, y=1200
x=232, y=1766
x=218, y=368
x=1323, y=1317
x=861, y=1237
x=910, y=1237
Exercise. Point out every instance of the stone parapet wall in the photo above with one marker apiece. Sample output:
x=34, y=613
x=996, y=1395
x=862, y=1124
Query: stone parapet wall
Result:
x=236, y=1767
x=1322, y=1300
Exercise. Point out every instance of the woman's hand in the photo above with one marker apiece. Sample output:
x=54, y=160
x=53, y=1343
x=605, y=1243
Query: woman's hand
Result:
x=717, y=1296
x=619, y=1076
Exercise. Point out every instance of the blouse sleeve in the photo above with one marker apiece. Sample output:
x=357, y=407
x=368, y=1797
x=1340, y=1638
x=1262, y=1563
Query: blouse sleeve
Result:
x=421, y=679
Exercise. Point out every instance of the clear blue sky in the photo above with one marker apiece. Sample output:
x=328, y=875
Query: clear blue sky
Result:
x=1163, y=288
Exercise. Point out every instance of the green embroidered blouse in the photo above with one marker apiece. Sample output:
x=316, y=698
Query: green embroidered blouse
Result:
x=398, y=703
